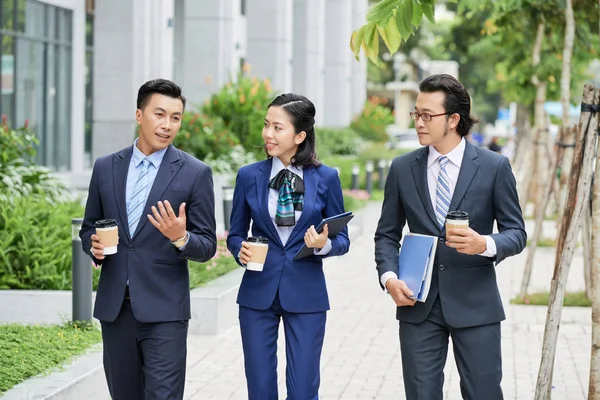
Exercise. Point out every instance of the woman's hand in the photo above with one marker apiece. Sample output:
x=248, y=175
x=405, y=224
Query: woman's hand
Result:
x=314, y=240
x=245, y=253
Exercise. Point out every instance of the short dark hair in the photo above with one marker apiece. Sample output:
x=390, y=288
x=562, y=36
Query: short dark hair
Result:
x=457, y=99
x=302, y=113
x=160, y=86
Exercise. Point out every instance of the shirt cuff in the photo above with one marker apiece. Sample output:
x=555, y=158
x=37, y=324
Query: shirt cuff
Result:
x=387, y=276
x=490, y=245
x=325, y=250
x=240, y=260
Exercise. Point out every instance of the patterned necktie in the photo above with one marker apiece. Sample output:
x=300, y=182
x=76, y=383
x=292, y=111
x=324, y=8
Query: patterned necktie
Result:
x=442, y=193
x=138, y=197
x=291, y=196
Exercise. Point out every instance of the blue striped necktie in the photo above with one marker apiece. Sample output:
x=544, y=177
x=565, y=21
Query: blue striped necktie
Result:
x=442, y=193
x=138, y=197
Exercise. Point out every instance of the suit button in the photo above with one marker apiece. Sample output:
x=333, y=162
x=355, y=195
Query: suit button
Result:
x=283, y=253
x=130, y=248
x=442, y=240
x=441, y=267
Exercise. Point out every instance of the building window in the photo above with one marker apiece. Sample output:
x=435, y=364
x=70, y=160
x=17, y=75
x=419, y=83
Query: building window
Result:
x=36, y=75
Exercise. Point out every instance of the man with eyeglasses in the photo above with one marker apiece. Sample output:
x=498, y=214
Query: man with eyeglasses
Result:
x=464, y=303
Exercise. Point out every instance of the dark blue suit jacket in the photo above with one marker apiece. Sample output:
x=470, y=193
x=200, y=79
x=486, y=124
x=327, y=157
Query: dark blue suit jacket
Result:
x=301, y=283
x=156, y=269
x=466, y=284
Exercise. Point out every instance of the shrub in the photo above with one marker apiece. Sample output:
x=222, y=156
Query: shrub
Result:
x=19, y=175
x=370, y=124
x=35, y=243
x=242, y=105
x=337, y=141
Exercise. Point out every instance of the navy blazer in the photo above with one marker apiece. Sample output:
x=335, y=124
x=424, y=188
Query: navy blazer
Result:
x=157, y=271
x=466, y=284
x=301, y=283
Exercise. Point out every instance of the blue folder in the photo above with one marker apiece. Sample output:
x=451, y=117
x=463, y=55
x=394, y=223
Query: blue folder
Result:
x=415, y=263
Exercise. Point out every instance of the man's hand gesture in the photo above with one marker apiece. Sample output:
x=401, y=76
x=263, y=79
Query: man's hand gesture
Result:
x=165, y=220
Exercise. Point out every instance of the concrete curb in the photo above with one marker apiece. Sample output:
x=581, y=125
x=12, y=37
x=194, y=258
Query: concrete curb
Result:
x=214, y=311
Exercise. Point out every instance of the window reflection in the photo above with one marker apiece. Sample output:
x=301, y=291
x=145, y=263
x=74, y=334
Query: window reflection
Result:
x=35, y=75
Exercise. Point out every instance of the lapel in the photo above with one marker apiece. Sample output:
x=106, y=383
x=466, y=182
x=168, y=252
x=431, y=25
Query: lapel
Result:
x=311, y=181
x=169, y=166
x=262, y=194
x=120, y=170
x=467, y=171
x=419, y=170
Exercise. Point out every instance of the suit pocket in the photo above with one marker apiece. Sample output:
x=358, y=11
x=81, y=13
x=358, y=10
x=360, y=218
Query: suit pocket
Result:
x=477, y=195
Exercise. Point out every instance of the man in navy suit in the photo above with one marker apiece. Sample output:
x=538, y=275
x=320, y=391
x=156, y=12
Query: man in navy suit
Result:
x=450, y=174
x=143, y=298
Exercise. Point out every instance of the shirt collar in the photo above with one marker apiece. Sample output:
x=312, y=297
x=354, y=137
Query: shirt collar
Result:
x=455, y=156
x=155, y=158
x=278, y=166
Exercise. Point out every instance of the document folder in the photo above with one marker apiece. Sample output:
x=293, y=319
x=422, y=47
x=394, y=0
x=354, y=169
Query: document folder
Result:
x=415, y=263
x=335, y=224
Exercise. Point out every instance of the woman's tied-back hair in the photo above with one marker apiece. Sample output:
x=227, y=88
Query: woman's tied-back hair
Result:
x=302, y=114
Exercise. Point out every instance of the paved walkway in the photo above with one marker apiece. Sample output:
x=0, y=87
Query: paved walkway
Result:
x=361, y=357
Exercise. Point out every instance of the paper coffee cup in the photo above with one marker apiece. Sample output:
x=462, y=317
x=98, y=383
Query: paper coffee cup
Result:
x=259, y=246
x=108, y=231
x=457, y=220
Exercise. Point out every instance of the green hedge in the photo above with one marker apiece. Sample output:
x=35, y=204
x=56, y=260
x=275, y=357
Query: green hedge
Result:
x=35, y=244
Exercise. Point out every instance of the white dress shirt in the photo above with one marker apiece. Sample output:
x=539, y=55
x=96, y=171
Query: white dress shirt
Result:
x=455, y=158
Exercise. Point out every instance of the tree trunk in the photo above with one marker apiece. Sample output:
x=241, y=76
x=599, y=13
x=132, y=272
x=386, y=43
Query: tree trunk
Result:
x=541, y=130
x=578, y=188
x=565, y=95
x=594, y=386
x=539, y=215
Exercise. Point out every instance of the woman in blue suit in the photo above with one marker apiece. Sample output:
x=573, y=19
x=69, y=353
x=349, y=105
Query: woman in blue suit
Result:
x=285, y=197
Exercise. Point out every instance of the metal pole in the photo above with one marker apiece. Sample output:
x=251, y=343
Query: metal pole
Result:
x=369, y=180
x=81, y=276
x=381, y=165
x=227, y=205
x=355, y=172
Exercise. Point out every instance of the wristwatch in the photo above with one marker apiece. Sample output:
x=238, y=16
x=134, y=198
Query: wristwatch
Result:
x=181, y=241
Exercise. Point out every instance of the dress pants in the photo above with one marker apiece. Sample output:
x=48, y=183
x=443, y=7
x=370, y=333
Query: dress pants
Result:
x=144, y=361
x=477, y=352
x=304, y=333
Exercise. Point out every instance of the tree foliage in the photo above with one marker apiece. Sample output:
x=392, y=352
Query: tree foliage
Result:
x=393, y=21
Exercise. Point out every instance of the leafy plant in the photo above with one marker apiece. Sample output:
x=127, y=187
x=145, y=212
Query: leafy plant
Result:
x=35, y=243
x=242, y=105
x=394, y=21
x=337, y=141
x=370, y=124
x=19, y=175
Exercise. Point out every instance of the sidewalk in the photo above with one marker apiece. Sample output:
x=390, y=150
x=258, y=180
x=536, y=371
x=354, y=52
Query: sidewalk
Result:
x=361, y=357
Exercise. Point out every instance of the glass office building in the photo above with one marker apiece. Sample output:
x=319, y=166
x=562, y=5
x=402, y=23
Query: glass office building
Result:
x=36, y=75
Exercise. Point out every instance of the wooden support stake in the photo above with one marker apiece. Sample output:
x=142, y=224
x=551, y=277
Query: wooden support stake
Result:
x=578, y=189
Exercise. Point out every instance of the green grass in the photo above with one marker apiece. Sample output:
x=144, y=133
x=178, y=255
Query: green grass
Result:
x=572, y=299
x=222, y=263
x=26, y=351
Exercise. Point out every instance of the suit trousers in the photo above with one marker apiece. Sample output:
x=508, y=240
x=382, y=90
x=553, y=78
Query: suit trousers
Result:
x=477, y=352
x=304, y=334
x=144, y=361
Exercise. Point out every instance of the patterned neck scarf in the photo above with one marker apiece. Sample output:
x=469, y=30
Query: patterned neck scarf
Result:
x=291, y=196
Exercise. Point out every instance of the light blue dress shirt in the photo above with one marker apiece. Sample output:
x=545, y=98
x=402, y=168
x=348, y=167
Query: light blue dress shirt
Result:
x=135, y=168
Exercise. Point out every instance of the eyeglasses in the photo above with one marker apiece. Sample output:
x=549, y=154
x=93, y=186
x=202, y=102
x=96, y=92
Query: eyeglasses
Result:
x=424, y=116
